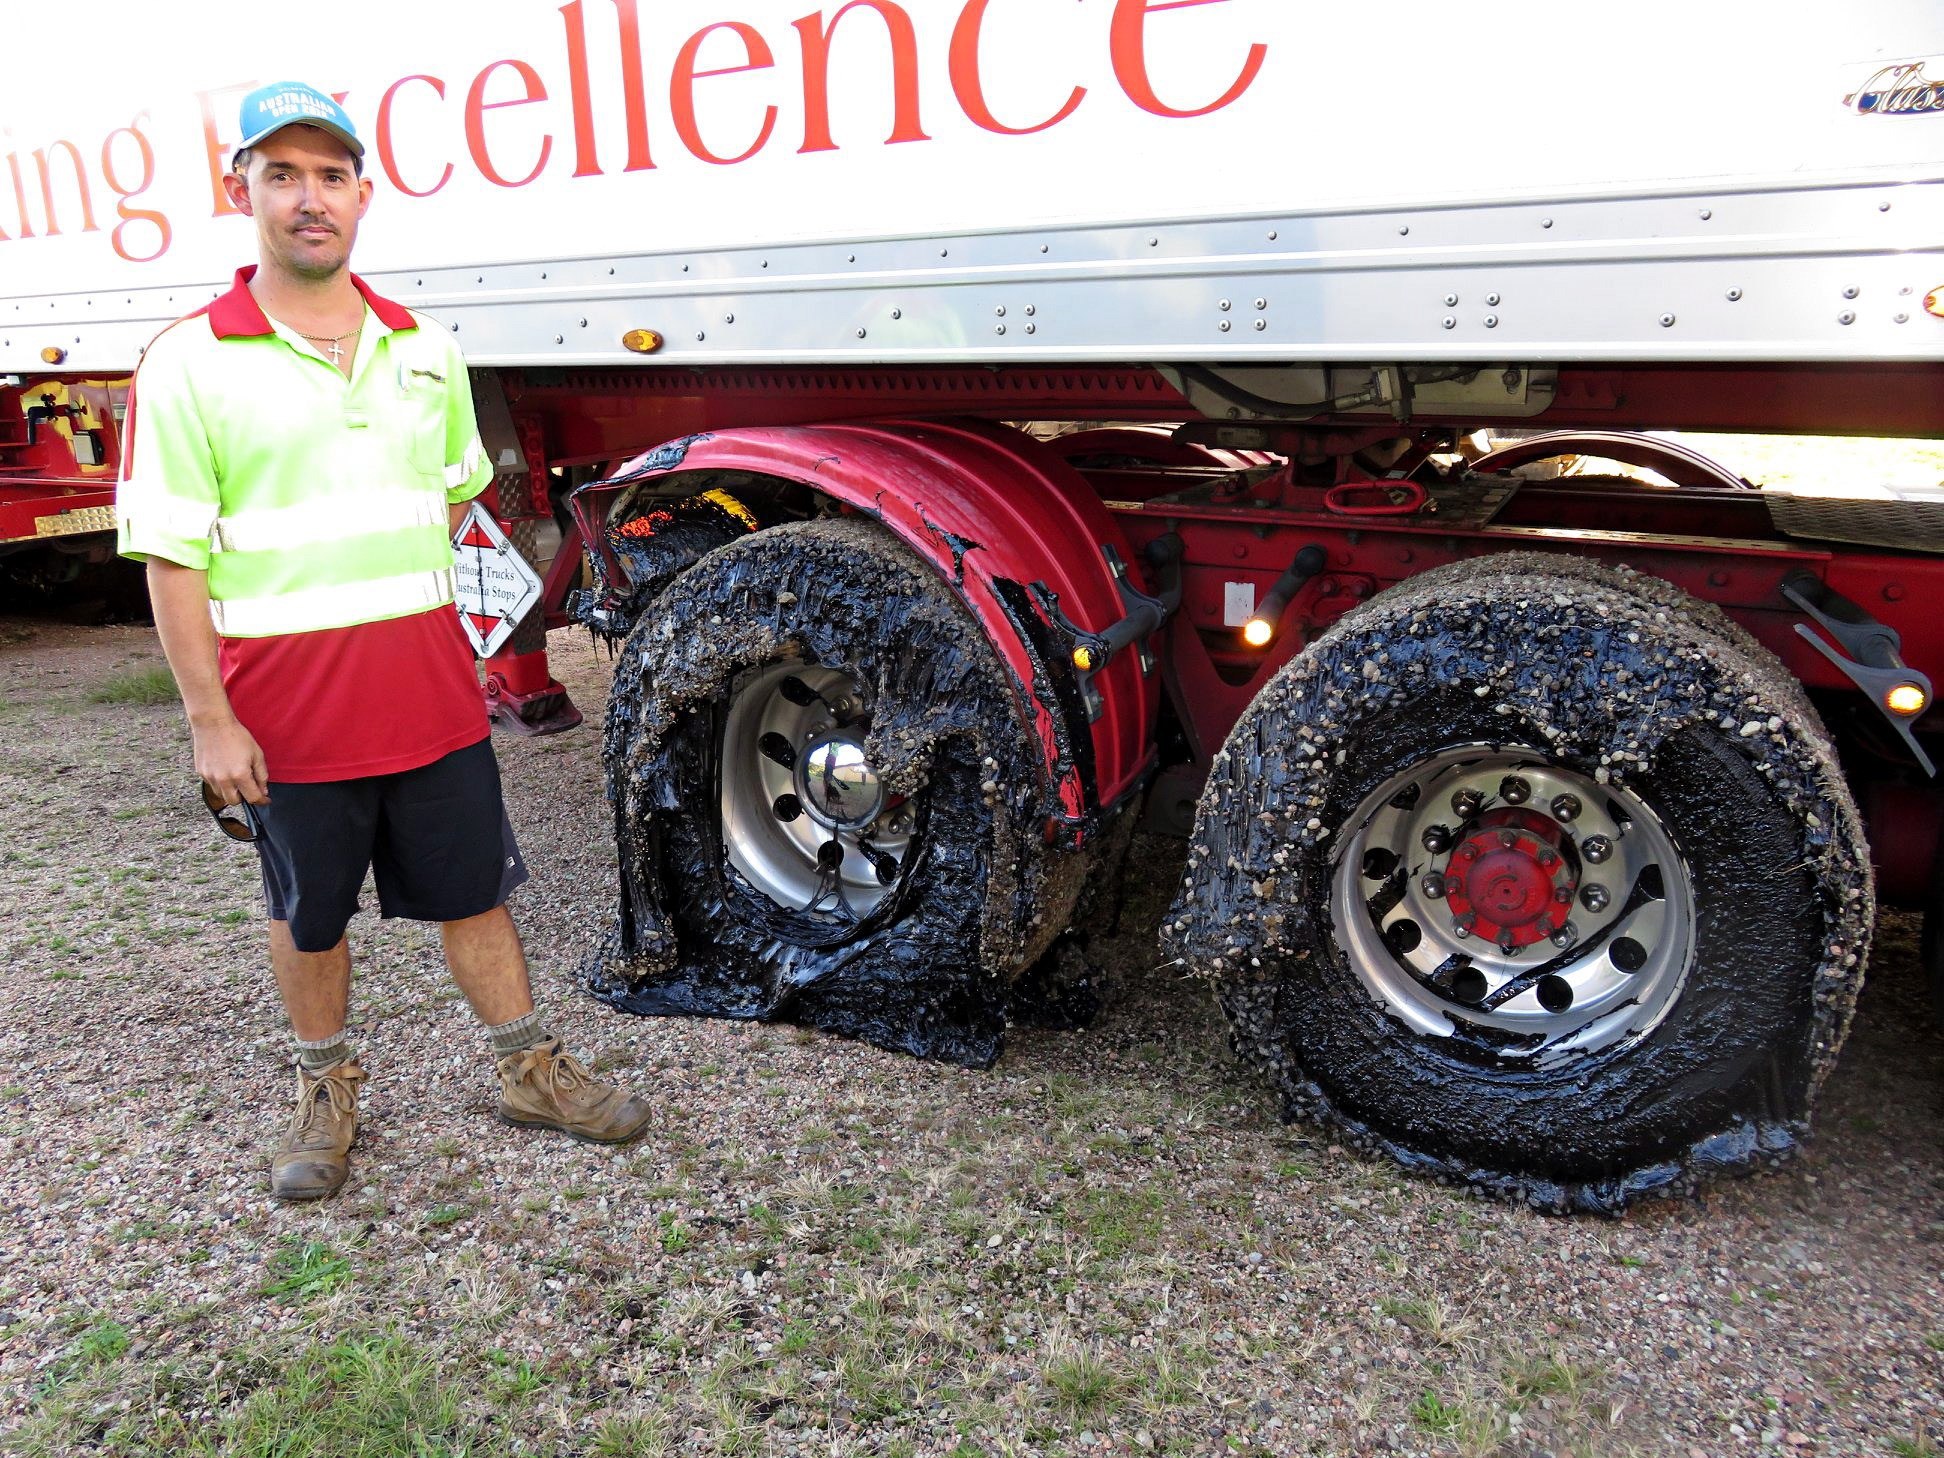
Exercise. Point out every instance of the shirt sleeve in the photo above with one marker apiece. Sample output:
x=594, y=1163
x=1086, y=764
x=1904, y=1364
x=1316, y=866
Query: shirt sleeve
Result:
x=468, y=471
x=167, y=497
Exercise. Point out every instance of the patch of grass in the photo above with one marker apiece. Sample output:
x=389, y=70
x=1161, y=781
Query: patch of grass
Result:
x=375, y=1395
x=1432, y=1413
x=151, y=685
x=448, y=1215
x=1934, y=1340
x=1117, y=1221
x=1084, y=1382
x=305, y=1269
x=635, y=1436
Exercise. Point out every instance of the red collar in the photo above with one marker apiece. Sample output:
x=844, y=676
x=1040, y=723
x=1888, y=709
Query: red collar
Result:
x=237, y=315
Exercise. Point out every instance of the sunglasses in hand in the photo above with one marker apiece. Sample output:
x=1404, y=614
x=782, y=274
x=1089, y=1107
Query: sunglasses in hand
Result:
x=233, y=820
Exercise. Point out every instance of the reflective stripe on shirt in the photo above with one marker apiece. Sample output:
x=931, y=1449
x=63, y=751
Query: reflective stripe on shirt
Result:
x=333, y=518
x=314, y=607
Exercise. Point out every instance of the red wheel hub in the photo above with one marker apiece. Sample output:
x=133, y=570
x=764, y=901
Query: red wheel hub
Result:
x=1507, y=881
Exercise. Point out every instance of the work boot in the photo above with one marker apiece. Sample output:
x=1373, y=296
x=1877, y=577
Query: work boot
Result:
x=314, y=1157
x=544, y=1088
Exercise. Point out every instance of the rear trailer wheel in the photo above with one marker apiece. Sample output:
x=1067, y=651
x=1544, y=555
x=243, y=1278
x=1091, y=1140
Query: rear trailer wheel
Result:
x=826, y=807
x=1534, y=885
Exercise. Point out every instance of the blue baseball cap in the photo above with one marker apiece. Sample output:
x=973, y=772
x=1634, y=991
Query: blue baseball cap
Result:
x=291, y=103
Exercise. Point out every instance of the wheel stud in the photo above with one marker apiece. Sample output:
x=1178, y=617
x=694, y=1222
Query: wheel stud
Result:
x=1548, y=857
x=1595, y=898
x=1566, y=808
x=1433, y=885
x=1437, y=839
x=1596, y=848
x=1515, y=791
x=1508, y=944
x=1565, y=936
x=1467, y=803
x=1564, y=895
x=1508, y=838
x=1461, y=926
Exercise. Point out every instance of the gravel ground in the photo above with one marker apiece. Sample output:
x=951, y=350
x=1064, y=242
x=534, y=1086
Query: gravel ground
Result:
x=1105, y=1243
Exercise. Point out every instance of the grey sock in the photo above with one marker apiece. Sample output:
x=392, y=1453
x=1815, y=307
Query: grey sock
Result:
x=519, y=1035
x=313, y=1057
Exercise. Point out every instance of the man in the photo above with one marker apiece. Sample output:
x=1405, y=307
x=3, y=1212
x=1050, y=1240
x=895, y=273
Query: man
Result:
x=296, y=459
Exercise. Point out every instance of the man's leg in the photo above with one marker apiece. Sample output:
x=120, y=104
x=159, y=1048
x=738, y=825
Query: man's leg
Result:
x=540, y=1085
x=316, y=986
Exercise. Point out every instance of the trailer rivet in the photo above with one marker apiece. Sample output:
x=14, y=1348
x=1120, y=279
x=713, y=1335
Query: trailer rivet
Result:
x=700, y=335
x=560, y=339
x=1667, y=321
x=1262, y=303
x=1225, y=326
x=1449, y=322
x=1225, y=306
x=1545, y=222
x=1261, y=324
x=1451, y=300
x=1902, y=318
x=583, y=323
x=897, y=313
x=1154, y=242
x=860, y=334
x=1846, y=317
x=1000, y=311
x=1850, y=292
x=1272, y=235
x=1883, y=207
x=1491, y=301
x=1032, y=328
x=728, y=318
x=1031, y=310
x=1491, y=321
x=999, y=329
x=1734, y=296
x=1404, y=230
x=1706, y=213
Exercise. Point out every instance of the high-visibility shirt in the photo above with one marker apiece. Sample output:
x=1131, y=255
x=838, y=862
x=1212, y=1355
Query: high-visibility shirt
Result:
x=317, y=505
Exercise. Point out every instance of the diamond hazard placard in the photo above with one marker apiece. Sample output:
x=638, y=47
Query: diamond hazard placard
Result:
x=494, y=585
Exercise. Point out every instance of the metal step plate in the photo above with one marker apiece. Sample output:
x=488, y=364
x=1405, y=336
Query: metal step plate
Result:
x=1910, y=518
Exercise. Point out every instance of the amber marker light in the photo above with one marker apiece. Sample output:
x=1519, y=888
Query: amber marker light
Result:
x=1083, y=659
x=1906, y=700
x=641, y=341
x=1934, y=302
x=53, y=354
x=1257, y=632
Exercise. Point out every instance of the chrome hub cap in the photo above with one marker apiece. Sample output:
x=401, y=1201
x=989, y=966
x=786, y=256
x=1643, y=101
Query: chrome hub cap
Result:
x=805, y=819
x=1490, y=891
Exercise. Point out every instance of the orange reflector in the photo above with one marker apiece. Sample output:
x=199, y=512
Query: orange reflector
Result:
x=1934, y=302
x=53, y=354
x=1257, y=632
x=1083, y=659
x=1906, y=699
x=641, y=341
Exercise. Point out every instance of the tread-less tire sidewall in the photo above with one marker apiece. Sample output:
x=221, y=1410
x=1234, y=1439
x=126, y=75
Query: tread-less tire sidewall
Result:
x=1731, y=1048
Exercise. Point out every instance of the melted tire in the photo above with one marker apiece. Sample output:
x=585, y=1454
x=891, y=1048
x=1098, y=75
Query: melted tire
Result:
x=929, y=968
x=1612, y=687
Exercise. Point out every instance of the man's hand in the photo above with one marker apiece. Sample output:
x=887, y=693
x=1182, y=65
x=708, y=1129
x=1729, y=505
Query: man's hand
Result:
x=227, y=755
x=230, y=763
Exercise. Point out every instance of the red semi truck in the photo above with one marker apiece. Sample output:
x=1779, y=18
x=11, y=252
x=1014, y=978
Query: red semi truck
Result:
x=984, y=426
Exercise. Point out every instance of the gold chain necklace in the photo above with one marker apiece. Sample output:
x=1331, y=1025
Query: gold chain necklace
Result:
x=335, y=343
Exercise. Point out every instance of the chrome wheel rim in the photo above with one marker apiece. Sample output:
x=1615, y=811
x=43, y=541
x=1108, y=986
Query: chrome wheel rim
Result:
x=805, y=820
x=1489, y=891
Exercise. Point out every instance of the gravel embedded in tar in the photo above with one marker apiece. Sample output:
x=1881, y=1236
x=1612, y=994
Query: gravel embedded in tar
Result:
x=1628, y=683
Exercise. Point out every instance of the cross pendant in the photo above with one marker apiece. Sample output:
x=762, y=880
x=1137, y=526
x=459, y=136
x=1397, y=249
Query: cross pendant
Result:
x=337, y=353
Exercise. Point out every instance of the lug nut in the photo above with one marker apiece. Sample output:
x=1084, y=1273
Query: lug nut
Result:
x=1462, y=926
x=1508, y=838
x=1507, y=944
x=1564, y=895
x=1595, y=898
x=1596, y=848
x=1514, y=791
x=1467, y=803
x=1437, y=839
x=1548, y=857
x=1565, y=936
x=1432, y=885
x=1566, y=808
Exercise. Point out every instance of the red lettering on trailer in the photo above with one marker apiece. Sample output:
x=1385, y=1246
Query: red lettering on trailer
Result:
x=1128, y=46
x=970, y=90
x=382, y=138
x=905, y=123
x=47, y=187
x=216, y=152
x=123, y=194
x=477, y=106
x=681, y=89
x=587, y=162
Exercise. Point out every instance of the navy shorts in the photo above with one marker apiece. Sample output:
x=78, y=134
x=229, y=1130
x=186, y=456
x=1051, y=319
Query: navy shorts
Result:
x=436, y=840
